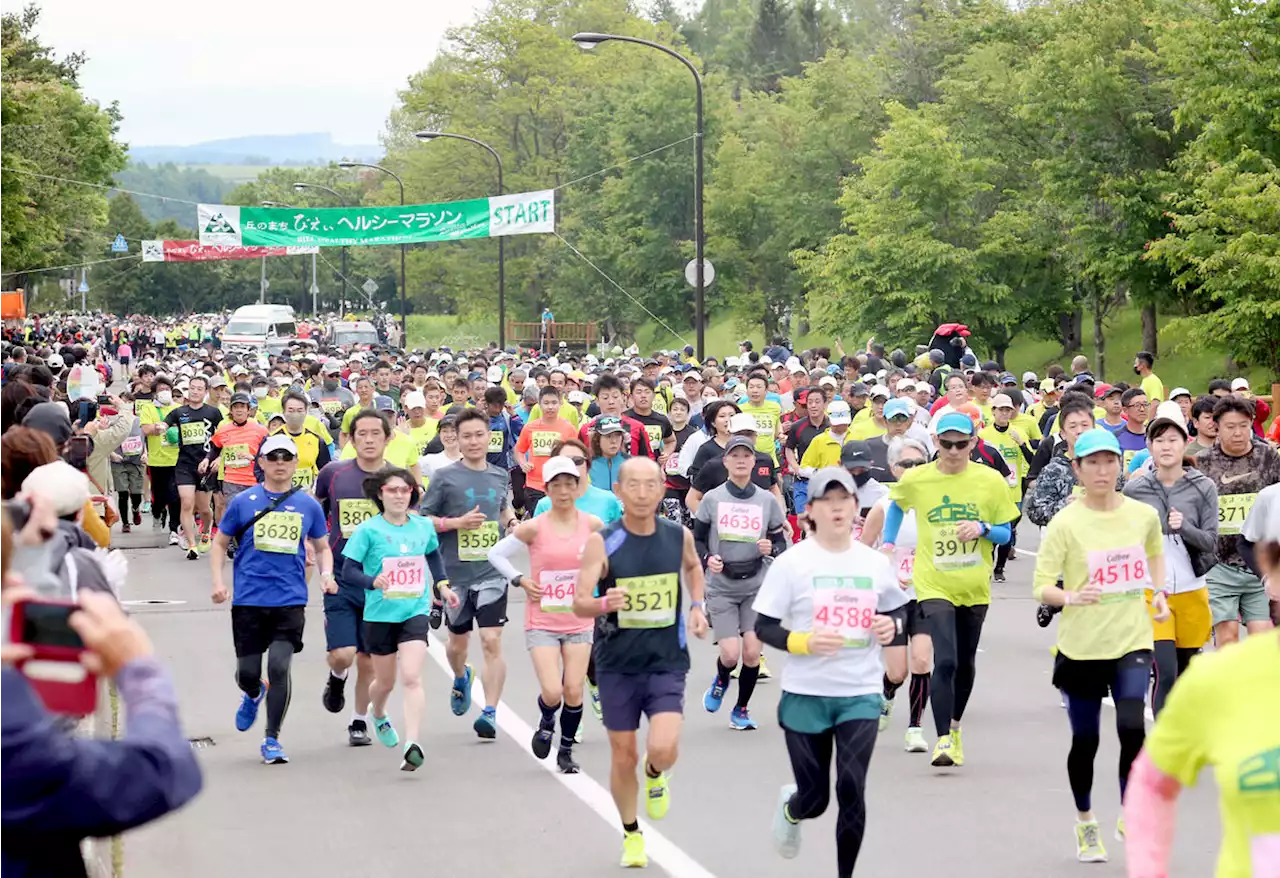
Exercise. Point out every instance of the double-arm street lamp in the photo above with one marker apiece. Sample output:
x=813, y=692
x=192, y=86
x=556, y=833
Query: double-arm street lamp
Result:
x=404, y=308
x=502, y=253
x=315, y=282
x=302, y=187
x=590, y=41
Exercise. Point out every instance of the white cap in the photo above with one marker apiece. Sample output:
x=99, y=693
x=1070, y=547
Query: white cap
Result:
x=414, y=399
x=879, y=392
x=794, y=365
x=577, y=397
x=1172, y=412
x=1001, y=401
x=741, y=422
x=494, y=374
x=923, y=387
x=1240, y=384
x=766, y=360
x=62, y=484
x=827, y=381
x=559, y=466
x=838, y=412
x=1029, y=376
x=277, y=442
x=1179, y=391
x=54, y=361
x=731, y=362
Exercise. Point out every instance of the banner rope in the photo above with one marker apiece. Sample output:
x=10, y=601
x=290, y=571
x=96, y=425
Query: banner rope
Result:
x=72, y=265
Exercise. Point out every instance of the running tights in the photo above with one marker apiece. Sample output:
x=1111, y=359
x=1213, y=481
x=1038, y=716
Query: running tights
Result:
x=249, y=678
x=955, y=631
x=122, y=502
x=1085, y=715
x=810, y=755
x=164, y=496
x=1003, y=549
x=1170, y=662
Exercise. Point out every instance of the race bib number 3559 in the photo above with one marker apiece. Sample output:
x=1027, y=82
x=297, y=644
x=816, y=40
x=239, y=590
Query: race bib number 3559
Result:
x=474, y=544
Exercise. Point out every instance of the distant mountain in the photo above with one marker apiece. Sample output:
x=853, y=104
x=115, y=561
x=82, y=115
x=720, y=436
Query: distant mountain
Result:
x=281, y=149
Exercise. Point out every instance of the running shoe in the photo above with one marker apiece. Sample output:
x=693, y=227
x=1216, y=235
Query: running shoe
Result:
x=1044, y=615
x=358, y=734
x=193, y=555
x=206, y=542
x=657, y=795
x=333, y=698
x=146, y=506
x=436, y=616
x=413, y=758
x=740, y=720
x=886, y=712
x=137, y=517
x=486, y=724
x=714, y=696
x=998, y=576
x=1089, y=847
x=541, y=745
x=248, y=710
x=633, y=855
x=786, y=833
x=957, y=747
x=914, y=741
x=1120, y=828
x=577, y=736
x=942, y=757
x=385, y=731
x=1013, y=554
x=764, y=671
x=272, y=752
x=594, y=691
x=460, y=696
x=175, y=540
x=125, y=528
x=182, y=542
x=566, y=763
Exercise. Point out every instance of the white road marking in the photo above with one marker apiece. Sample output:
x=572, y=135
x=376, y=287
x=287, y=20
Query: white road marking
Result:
x=1022, y=551
x=588, y=791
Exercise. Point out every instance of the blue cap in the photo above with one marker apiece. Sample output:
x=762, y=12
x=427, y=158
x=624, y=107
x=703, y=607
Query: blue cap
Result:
x=1095, y=440
x=897, y=407
x=1138, y=460
x=833, y=369
x=955, y=422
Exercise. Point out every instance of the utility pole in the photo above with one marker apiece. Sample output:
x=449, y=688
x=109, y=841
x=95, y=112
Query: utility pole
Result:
x=262, y=290
x=315, y=287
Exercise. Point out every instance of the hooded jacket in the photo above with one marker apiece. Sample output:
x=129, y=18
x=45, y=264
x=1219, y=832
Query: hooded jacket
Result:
x=1196, y=497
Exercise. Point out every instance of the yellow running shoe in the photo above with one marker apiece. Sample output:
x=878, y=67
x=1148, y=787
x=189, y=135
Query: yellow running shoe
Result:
x=957, y=748
x=942, y=753
x=633, y=855
x=764, y=670
x=657, y=796
x=1089, y=847
x=1120, y=828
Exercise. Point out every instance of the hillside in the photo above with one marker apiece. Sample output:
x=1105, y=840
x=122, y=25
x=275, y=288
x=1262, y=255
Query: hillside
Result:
x=275, y=149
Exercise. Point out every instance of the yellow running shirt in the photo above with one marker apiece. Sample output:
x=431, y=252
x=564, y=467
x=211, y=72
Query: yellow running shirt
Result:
x=767, y=415
x=401, y=451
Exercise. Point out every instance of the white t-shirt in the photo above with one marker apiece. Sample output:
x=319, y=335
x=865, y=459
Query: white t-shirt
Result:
x=429, y=463
x=904, y=549
x=788, y=594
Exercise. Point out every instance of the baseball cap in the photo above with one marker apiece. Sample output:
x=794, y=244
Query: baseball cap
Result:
x=278, y=442
x=1105, y=390
x=1001, y=401
x=855, y=453
x=1007, y=378
x=1048, y=385
x=692, y=376
x=1029, y=378
x=51, y=418
x=1240, y=384
x=558, y=466
x=414, y=399
x=955, y=422
x=859, y=389
x=1179, y=391
x=217, y=381
x=1096, y=440
x=923, y=387
x=896, y=408
x=1137, y=461
x=577, y=397
x=838, y=412
x=827, y=381
x=879, y=392
x=743, y=423
x=1169, y=413
x=740, y=442
x=237, y=398
x=331, y=367
x=606, y=424
x=383, y=403
x=494, y=374
x=62, y=484
x=827, y=478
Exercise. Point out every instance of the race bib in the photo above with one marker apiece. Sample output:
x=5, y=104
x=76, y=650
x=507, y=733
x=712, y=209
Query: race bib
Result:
x=651, y=601
x=279, y=532
x=543, y=440
x=1264, y=854
x=237, y=456
x=193, y=433
x=1011, y=456
x=1119, y=571
x=846, y=604
x=904, y=562
x=1233, y=509
x=474, y=544
x=655, y=436
x=673, y=464
x=304, y=478
x=353, y=513
x=131, y=446
x=331, y=406
x=739, y=522
x=496, y=438
x=952, y=553
x=766, y=424
x=406, y=577
x=558, y=587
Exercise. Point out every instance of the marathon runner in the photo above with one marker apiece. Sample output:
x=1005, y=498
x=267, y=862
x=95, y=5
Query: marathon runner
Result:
x=534, y=447
x=194, y=423
x=332, y=398
x=313, y=449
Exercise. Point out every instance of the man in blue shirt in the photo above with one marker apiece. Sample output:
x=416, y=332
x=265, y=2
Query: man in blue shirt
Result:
x=273, y=523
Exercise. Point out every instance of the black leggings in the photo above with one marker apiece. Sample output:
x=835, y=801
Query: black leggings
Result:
x=249, y=679
x=1170, y=662
x=810, y=755
x=1085, y=716
x=122, y=501
x=1003, y=549
x=164, y=496
x=955, y=632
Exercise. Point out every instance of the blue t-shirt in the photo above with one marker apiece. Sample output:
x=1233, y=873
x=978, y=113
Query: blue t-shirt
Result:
x=502, y=441
x=376, y=539
x=270, y=565
x=602, y=504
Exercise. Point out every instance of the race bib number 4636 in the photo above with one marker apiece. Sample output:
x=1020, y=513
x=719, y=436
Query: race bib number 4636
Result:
x=846, y=604
x=739, y=522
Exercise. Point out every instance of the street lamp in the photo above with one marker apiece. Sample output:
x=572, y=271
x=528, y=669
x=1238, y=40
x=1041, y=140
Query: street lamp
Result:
x=315, y=285
x=590, y=41
x=426, y=136
x=302, y=187
x=404, y=308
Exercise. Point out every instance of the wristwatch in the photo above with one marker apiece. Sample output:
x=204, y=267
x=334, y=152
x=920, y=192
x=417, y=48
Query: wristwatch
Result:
x=695, y=605
x=515, y=581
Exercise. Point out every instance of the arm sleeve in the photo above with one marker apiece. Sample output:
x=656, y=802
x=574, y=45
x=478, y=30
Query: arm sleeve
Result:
x=770, y=631
x=353, y=572
x=999, y=534
x=324, y=454
x=892, y=522
x=1246, y=549
x=435, y=563
x=501, y=555
x=779, y=540
x=702, y=535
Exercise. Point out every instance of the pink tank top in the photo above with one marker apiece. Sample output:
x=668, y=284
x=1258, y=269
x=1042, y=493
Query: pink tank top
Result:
x=554, y=561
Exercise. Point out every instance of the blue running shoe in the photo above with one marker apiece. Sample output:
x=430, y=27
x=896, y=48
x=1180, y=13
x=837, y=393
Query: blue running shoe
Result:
x=460, y=697
x=486, y=724
x=385, y=731
x=714, y=696
x=248, y=710
x=272, y=752
x=741, y=720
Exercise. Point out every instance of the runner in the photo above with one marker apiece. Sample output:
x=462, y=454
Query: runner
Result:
x=389, y=556
x=833, y=591
x=340, y=490
x=1106, y=548
x=737, y=527
x=559, y=642
x=1014, y=447
x=364, y=400
x=674, y=507
x=313, y=449
x=234, y=447
x=468, y=504
x=799, y=437
x=904, y=454
x=332, y=398
x=657, y=426
x=272, y=523
x=630, y=579
x=194, y=423
x=967, y=512
x=533, y=448
x=766, y=413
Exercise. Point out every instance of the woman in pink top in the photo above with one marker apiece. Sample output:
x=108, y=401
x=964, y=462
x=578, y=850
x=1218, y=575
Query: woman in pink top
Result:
x=558, y=641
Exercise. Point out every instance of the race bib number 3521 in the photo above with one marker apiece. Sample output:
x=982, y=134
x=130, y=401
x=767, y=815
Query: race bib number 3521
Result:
x=846, y=604
x=651, y=601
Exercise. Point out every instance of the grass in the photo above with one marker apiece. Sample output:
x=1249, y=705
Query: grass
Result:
x=234, y=173
x=436, y=330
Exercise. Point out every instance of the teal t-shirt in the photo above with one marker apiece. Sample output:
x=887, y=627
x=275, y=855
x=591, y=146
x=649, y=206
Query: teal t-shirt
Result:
x=602, y=504
x=376, y=540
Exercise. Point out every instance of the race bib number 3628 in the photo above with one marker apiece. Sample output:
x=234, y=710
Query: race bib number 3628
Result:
x=278, y=532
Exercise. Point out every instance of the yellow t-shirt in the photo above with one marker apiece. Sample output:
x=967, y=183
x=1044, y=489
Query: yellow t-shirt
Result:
x=768, y=415
x=1098, y=414
x=824, y=450
x=401, y=451
x=423, y=435
x=268, y=406
x=349, y=415
x=866, y=429
x=567, y=413
x=308, y=443
x=1223, y=712
x=159, y=453
x=1113, y=549
x=1028, y=426
x=1153, y=387
x=1012, y=454
x=946, y=567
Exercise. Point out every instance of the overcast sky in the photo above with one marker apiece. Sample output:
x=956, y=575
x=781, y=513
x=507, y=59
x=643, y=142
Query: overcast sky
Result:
x=187, y=73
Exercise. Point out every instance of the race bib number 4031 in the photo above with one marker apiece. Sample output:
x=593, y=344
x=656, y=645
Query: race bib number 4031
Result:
x=406, y=577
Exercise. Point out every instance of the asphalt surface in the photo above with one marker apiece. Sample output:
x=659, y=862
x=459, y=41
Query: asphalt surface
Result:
x=335, y=810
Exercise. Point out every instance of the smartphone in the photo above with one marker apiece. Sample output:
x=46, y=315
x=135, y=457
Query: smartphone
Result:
x=55, y=672
x=103, y=399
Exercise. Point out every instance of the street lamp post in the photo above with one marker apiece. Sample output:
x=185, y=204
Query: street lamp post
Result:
x=315, y=285
x=300, y=187
x=590, y=41
x=404, y=307
x=502, y=249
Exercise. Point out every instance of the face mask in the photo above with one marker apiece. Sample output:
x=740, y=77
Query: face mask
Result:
x=260, y=392
x=861, y=479
x=164, y=397
x=1136, y=371
x=295, y=420
x=331, y=384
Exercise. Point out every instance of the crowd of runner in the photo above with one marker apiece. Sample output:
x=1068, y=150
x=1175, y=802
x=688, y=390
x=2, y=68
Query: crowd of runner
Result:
x=849, y=509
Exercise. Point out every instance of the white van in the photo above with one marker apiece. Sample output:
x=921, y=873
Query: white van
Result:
x=352, y=334
x=259, y=329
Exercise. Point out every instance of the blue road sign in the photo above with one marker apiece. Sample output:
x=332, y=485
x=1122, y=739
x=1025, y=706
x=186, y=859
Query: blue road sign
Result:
x=119, y=245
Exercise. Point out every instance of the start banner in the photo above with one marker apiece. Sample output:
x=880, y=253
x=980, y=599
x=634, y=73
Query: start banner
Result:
x=522, y=213
x=194, y=251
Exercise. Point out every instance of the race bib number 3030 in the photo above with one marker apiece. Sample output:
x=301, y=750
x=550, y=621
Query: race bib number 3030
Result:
x=846, y=604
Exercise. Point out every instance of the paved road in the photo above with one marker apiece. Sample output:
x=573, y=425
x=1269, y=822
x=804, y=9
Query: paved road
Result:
x=490, y=805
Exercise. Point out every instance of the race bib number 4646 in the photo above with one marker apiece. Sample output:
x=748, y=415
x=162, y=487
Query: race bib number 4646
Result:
x=846, y=604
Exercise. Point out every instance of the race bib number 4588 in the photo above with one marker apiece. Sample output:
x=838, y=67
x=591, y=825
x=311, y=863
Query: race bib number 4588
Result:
x=846, y=604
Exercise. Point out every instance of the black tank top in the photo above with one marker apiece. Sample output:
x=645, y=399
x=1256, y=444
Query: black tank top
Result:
x=648, y=634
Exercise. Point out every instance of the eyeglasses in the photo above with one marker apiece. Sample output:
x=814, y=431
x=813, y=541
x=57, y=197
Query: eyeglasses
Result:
x=1138, y=405
x=579, y=461
x=280, y=456
x=908, y=464
x=898, y=419
x=397, y=490
x=953, y=444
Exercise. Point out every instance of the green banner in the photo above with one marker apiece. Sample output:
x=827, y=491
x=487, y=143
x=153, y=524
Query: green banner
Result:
x=229, y=225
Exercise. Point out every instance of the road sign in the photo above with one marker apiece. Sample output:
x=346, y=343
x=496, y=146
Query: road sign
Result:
x=370, y=287
x=84, y=286
x=691, y=272
x=119, y=245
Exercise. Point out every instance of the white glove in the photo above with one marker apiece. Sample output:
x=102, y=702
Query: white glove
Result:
x=805, y=472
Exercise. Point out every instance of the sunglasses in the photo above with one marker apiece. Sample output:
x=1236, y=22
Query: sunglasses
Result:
x=397, y=490
x=908, y=464
x=953, y=444
x=898, y=419
x=279, y=456
x=579, y=461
